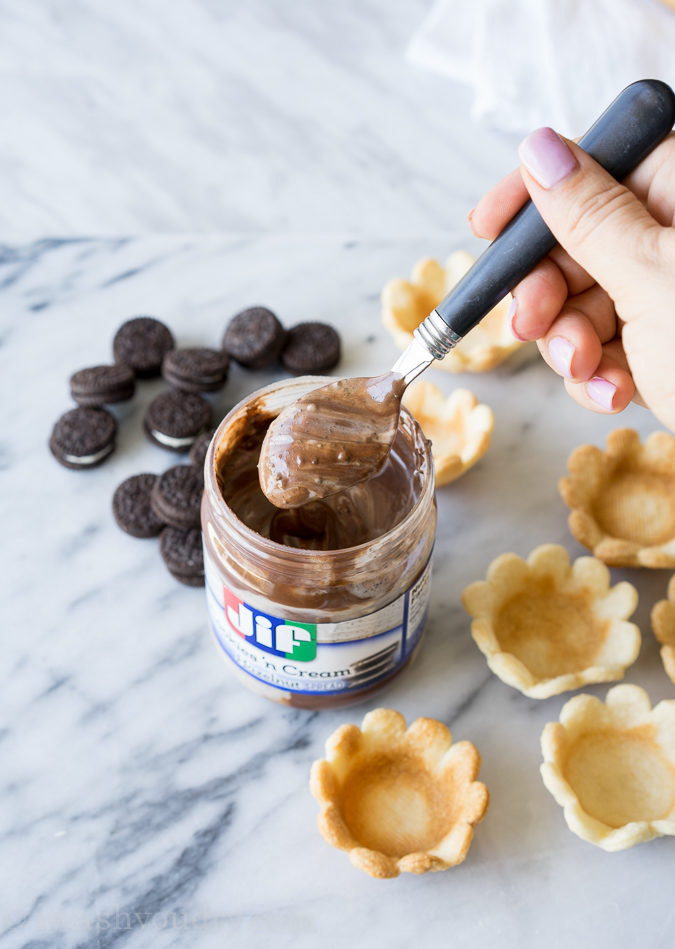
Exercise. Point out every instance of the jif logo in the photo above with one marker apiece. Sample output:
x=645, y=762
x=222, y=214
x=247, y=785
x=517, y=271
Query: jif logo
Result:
x=291, y=640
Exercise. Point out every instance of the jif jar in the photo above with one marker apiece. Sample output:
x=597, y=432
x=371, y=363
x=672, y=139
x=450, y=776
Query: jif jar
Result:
x=320, y=605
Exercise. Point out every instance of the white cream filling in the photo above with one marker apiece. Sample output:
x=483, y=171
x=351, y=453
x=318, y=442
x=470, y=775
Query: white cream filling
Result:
x=88, y=459
x=170, y=441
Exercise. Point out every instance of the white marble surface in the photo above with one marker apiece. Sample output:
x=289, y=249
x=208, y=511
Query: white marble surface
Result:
x=147, y=116
x=146, y=798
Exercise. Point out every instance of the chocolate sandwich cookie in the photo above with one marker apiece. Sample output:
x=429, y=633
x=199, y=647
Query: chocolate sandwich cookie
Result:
x=182, y=553
x=142, y=343
x=132, y=509
x=311, y=348
x=103, y=385
x=176, y=496
x=175, y=419
x=196, y=369
x=83, y=437
x=254, y=337
x=198, y=451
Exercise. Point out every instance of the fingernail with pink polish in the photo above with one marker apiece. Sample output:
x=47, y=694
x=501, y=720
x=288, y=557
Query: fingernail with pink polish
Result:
x=602, y=392
x=511, y=316
x=546, y=157
x=561, y=353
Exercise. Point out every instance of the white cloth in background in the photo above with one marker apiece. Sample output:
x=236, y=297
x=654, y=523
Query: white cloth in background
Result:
x=546, y=62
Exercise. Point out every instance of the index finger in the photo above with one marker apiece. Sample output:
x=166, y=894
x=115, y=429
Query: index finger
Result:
x=498, y=205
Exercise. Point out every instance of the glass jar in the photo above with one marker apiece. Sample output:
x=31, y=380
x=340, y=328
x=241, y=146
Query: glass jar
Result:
x=317, y=628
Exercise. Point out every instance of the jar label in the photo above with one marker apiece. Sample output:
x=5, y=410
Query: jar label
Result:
x=317, y=658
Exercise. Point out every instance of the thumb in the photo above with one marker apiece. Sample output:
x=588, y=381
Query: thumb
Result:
x=599, y=222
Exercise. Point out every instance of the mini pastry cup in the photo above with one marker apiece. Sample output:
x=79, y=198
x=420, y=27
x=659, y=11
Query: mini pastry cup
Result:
x=405, y=303
x=547, y=626
x=398, y=800
x=458, y=428
x=611, y=766
x=663, y=625
x=622, y=500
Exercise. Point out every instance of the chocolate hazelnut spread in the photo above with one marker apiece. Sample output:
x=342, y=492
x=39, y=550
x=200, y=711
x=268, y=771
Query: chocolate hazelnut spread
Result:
x=318, y=605
x=355, y=516
x=330, y=439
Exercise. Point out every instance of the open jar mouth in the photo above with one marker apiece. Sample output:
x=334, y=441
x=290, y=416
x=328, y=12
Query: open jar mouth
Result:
x=270, y=400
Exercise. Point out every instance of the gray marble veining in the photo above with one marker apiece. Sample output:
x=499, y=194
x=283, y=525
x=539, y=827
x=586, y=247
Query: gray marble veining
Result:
x=220, y=116
x=146, y=798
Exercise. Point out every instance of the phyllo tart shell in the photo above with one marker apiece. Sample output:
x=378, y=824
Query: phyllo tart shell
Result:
x=398, y=799
x=611, y=766
x=622, y=500
x=546, y=625
x=663, y=625
x=405, y=303
x=458, y=428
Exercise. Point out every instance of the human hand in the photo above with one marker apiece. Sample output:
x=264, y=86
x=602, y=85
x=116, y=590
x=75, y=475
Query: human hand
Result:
x=601, y=305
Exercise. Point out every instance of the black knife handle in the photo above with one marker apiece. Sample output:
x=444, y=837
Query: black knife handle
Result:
x=639, y=118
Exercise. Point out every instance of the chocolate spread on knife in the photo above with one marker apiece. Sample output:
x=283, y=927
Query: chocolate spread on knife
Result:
x=331, y=439
x=355, y=516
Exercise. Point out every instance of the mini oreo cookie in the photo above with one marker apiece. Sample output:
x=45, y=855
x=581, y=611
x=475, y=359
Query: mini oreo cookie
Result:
x=310, y=348
x=254, y=337
x=103, y=385
x=132, y=509
x=199, y=449
x=175, y=419
x=142, y=343
x=182, y=553
x=196, y=369
x=83, y=437
x=177, y=496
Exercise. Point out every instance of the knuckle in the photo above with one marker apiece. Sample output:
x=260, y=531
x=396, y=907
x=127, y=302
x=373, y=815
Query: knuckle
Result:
x=596, y=209
x=650, y=247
